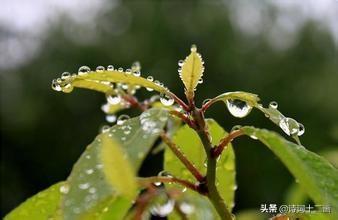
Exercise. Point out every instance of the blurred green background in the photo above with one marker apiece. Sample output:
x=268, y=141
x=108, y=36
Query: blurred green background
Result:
x=283, y=50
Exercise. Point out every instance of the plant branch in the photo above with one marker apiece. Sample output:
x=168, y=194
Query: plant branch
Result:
x=183, y=117
x=179, y=101
x=194, y=171
x=145, y=181
x=213, y=193
x=216, y=151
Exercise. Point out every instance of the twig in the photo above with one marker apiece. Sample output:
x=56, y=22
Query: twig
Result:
x=216, y=151
x=182, y=158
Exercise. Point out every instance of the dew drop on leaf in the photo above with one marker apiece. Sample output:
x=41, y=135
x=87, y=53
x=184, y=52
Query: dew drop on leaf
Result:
x=121, y=119
x=105, y=129
x=83, y=70
x=100, y=69
x=289, y=125
x=64, y=189
x=56, y=86
x=301, y=129
x=65, y=75
x=110, y=68
x=193, y=48
x=137, y=73
x=113, y=99
x=180, y=63
x=238, y=108
x=150, y=78
x=186, y=208
x=273, y=105
x=67, y=88
x=84, y=186
x=120, y=69
x=166, y=100
x=164, y=173
x=163, y=210
x=128, y=71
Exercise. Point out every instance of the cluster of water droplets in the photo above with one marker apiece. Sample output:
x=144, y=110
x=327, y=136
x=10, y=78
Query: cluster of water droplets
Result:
x=289, y=125
x=151, y=125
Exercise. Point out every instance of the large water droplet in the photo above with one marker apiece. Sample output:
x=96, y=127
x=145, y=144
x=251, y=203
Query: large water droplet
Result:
x=122, y=119
x=83, y=70
x=166, y=100
x=289, y=125
x=238, y=108
x=137, y=73
x=163, y=210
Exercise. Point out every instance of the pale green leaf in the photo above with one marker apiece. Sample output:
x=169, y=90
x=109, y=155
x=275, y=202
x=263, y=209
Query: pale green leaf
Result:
x=97, y=177
x=39, y=207
x=315, y=175
x=192, y=71
x=250, y=98
x=190, y=144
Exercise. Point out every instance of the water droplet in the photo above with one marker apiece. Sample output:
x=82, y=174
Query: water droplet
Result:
x=200, y=81
x=236, y=128
x=179, y=70
x=105, y=128
x=289, y=125
x=110, y=68
x=205, y=163
x=128, y=71
x=150, y=78
x=180, y=63
x=193, y=48
x=273, y=105
x=56, y=86
x=184, y=189
x=89, y=171
x=111, y=118
x=254, y=137
x=84, y=186
x=164, y=173
x=120, y=69
x=92, y=190
x=64, y=189
x=100, y=69
x=163, y=210
x=122, y=119
x=113, y=99
x=137, y=73
x=166, y=100
x=83, y=70
x=157, y=183
x=238, y=108
x=65, y=75
x=301, y=129
x=157, y=82
x=187, y=208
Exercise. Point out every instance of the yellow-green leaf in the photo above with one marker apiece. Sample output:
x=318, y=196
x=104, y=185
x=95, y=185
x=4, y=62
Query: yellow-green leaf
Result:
x=100, y=81
x=39, y=207
x=192, y=71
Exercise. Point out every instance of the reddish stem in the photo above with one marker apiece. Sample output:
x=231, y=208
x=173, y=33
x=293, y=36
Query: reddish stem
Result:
x=179, y=101
x=224, y=142
x=183, y=117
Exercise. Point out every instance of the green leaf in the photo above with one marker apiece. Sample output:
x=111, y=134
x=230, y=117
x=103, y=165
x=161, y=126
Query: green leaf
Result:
x=139, y=134
x=315, y=175
x=190, y=144
x=39, y=207
x=101, y=174
x=250, y=98
x=192, y=71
